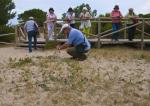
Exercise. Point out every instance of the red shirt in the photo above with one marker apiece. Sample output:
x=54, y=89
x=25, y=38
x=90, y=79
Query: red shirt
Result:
x=116, y=16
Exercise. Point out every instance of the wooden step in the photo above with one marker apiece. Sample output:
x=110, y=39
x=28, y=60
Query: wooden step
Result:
x=26, y=45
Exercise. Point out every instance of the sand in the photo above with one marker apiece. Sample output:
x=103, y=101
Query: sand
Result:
x=50, y=78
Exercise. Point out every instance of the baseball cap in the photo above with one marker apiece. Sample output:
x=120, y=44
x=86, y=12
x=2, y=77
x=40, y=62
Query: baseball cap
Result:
x=64, y=26
x=31, y=18
x=84, y=8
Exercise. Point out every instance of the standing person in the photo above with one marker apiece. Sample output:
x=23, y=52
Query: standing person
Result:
x=116, y=22
x=50, y=20
x=31, y=28
x=85, y=17
x=132, y=19
x=77, y=43
x=70, y=16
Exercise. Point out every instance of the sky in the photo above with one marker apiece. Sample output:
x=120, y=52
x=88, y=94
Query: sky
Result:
x=61, y=6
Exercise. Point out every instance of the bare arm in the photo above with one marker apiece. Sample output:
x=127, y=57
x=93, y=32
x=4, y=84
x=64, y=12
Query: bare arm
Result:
x=64, y=46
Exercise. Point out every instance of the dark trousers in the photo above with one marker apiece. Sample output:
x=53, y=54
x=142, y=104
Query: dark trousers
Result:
x=75, y=53
x=131, y=32
x=115, y=27
x=32, y=34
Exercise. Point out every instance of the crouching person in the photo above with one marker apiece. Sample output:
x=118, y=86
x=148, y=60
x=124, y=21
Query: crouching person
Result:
x=77, y=44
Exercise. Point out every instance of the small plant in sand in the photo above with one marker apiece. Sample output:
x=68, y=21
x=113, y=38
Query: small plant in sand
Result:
x=19, y=63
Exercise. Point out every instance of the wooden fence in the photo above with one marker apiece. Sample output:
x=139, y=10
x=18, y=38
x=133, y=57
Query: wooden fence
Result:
x=98, y=38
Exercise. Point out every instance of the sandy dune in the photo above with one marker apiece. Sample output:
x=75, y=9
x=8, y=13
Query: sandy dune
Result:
x=111, y=77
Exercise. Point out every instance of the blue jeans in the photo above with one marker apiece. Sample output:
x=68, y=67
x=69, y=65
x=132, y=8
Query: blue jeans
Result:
x=115, y=27
x=30, y=35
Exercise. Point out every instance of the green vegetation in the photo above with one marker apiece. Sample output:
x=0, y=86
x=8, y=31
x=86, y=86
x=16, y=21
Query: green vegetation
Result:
x=6, y=7
x=19, y=63
x=8, y=38
x=50, y=45
x=5, y=30
x=38, y=14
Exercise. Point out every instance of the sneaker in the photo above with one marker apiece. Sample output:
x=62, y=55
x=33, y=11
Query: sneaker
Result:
x=30, y=51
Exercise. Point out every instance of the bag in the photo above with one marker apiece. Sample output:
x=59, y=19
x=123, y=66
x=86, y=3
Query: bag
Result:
x=135, y=20
x=81, y=47
x=36, y=30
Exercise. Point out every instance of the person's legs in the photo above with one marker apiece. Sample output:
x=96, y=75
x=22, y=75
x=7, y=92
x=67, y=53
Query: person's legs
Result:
x=50, y=32
x=30, y=41
x=86, y=31
x=35, y=40
x=133, y=32
x=76, y=54
x=129, y=33
x=72, y=51
x=114, y=29
x=117, y=28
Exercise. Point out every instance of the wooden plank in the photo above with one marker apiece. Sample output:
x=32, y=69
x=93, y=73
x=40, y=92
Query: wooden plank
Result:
x=142, y=36
x=7, y=34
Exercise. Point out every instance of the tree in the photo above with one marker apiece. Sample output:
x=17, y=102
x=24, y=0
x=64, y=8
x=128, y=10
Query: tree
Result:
x=39, y=16
x=6, y=7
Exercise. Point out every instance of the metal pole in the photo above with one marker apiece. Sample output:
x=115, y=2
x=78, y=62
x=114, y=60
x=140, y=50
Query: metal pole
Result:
x=99, y=35
x=142, y=37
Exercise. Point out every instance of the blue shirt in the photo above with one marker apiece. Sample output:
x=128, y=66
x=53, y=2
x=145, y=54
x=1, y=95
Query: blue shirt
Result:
x=30, y=25
x=76, y=37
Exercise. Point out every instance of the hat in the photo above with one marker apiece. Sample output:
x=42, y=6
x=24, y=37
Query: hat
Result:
x=116, y=7
x=70, y=10
x=51, y=9
x=84, y=8
x=131, y=9
x=31, y=18
x=63, y=27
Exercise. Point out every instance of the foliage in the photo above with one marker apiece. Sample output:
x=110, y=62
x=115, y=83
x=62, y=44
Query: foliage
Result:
x=50, y=45
x=8, y=38
x=6, y=7
x=39, y=16
x=21, y=62
x=4, y=30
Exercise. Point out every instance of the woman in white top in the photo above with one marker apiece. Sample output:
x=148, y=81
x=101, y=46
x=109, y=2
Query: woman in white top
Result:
x=70, y=15
x=50, y=19
x=85, y=17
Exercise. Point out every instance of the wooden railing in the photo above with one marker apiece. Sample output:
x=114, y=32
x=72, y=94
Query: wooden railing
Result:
x=20, y=33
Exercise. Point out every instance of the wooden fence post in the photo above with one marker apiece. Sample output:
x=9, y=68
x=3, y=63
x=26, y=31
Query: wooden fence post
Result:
x=99, y=35
x=142, y=36
x=16, y=35
x=44, y=32
x=125, y=31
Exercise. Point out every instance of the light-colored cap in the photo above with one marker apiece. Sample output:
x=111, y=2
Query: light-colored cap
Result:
x=31, y=18
x=84, y=8
x=63, y=27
